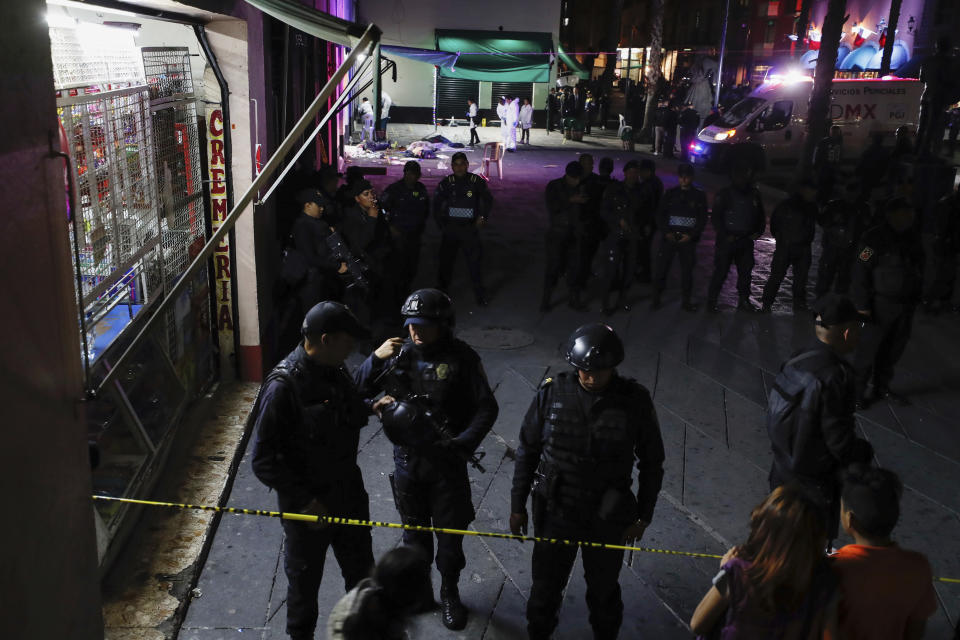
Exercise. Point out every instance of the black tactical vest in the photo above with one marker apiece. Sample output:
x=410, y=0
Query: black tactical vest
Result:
x=464, y=197
x=742, y=215
x=896, y=276
x=587, y=453
x=331, y=413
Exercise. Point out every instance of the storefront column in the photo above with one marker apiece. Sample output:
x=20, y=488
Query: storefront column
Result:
x=50, y=557
x=229, y=41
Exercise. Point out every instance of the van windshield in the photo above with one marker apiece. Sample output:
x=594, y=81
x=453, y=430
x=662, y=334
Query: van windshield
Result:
x=739, y=112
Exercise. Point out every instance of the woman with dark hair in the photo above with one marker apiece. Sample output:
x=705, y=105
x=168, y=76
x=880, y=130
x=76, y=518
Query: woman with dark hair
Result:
x=778, y=584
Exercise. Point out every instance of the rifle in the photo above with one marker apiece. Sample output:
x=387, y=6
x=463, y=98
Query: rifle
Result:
x=393, y=385
x=356, y=269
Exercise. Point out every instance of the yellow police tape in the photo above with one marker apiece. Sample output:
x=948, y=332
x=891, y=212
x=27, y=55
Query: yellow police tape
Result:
x=302, y=517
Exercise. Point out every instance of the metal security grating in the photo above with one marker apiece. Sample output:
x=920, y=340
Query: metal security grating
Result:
x=109, y=138
x=167, y=71
x=94, y=55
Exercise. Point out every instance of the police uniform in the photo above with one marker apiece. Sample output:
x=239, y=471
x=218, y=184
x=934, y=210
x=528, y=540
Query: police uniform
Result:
x=407, y=209
x=594, y=229
x=682, y=211
x=458, y=205
x=793, y=226
x=577, y=451
x=564, y=239
x=431, y=486
x=644, y=224
x=621, y=201
x=887, y=277
x=737, y=217
x=940, y=246
x=308, y=419
x=842, y=223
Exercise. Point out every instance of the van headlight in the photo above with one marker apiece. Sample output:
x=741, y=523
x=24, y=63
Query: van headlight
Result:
x=723, y=135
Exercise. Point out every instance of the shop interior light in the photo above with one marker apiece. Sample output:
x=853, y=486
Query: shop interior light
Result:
x=83, y=5
x=60, y=20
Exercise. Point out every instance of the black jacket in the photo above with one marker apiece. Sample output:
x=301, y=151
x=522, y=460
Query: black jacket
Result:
x=407, y=209
x=819, y=436
x=307, y=424
x=562, y=214
x=793, y=221
x=888, y=265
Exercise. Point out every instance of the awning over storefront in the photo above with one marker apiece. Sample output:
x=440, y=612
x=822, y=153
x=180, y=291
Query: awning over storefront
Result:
x=505, y=56
x=572, y=63
x=316, y=23
x=442, y=59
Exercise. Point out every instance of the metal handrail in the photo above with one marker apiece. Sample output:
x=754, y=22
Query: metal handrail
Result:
x=369, y=39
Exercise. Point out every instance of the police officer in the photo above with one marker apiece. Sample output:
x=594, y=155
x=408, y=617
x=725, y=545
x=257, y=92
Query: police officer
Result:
x=566, y=197
x=309, y=270
x=594, y=229
x=793, y=226
x=812, y=447
x=941, y=248
x=682, y=217
x=644, y=219
x=738, y=219
x=366, y=229
x=461, y=207
x=620, y=201
x=407, y=204
x=579, y=441
x=842, y=221
x=307, y=419
x=430, y=482
x=887, y=277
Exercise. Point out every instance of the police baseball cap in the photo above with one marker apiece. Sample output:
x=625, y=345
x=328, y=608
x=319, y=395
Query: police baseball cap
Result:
x=332, y=317
x=574, y=169
x=360, y=186
x=631, y=164
x=833, y=309
x=684, y=169
x=312, y=195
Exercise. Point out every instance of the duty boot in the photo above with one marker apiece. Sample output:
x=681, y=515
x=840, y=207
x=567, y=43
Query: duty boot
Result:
x=766, y=308
x=746, y=305
x=689, y=307
x=452, y=611
x=712, y=306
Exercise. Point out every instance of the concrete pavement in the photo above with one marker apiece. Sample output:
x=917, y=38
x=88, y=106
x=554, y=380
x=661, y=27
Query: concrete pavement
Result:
x=709, y=377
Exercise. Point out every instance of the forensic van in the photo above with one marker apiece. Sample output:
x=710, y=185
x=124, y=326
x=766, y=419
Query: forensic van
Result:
x=774, y=116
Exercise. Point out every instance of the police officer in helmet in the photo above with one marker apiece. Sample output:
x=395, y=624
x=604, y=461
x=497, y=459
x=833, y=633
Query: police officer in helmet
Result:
x=581, y=437
x=308, y=417
x=447, y=410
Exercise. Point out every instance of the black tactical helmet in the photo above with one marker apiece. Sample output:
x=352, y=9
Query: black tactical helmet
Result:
x=403, y=425
x=428, y=306
x=594, y=346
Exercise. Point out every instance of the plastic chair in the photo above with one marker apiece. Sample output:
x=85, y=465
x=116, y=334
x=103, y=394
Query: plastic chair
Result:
x=493, y=153
x=623, y=123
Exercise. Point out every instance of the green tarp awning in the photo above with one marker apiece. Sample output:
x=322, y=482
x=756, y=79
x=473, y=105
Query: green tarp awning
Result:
x=572, y=63
x=502, y=56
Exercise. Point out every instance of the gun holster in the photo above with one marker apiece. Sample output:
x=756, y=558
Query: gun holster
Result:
x=406, y=505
